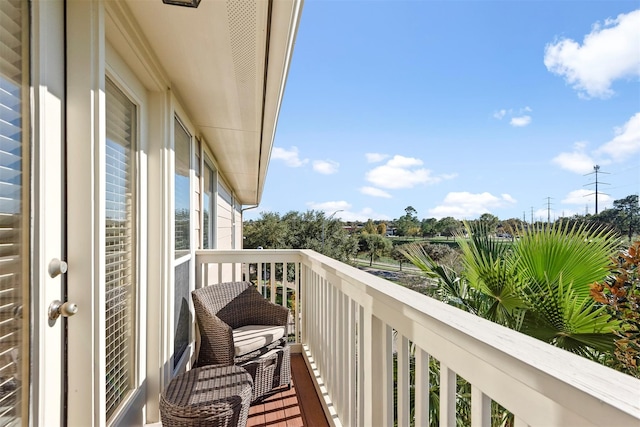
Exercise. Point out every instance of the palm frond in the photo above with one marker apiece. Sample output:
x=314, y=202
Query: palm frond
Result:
x=561, y=317
x=580, y=254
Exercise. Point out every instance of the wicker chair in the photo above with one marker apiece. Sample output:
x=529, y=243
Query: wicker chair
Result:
x=239, y=326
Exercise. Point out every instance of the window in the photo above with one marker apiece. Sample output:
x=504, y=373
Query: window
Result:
x=182, y=190
x=120, y=251
x=208, y=206
x=182, y=316
x=14, y=210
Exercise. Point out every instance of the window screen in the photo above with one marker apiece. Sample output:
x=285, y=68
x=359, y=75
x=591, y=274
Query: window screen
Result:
x=120, y=247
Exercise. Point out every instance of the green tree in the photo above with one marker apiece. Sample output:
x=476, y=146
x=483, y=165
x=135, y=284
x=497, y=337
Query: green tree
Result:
x=627, y=215
x=428, y=227
x=448, y=226
x=296, y=230
x=490, y=221
x=397, y=254
x=407, y=223
x=268, y=231
x=382, y=229
x=370, y=227
x=375, y=246
x=540, y=285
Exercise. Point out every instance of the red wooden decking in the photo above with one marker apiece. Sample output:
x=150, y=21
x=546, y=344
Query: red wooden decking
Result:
x=297, y=407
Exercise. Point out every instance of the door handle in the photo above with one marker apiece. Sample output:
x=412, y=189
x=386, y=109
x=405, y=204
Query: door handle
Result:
x=58, y=308
x=57, y=267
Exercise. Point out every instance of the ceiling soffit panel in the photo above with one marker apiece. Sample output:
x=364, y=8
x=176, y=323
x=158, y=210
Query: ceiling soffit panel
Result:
x=215, y=60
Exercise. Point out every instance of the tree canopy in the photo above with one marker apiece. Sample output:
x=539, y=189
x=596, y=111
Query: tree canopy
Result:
x=300, y=230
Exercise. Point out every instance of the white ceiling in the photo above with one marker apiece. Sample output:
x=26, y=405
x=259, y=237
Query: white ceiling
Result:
x=226, y=61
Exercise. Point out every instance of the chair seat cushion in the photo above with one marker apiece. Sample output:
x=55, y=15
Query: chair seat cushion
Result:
x=252, y=337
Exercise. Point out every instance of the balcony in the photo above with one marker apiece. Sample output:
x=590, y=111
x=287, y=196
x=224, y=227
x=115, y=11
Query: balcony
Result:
x=349, y=326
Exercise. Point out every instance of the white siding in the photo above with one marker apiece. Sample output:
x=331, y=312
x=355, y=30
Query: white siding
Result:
x=225, y=218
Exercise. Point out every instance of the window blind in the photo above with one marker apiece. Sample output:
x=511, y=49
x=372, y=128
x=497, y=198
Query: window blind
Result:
x=14, y=215
x=120, y=247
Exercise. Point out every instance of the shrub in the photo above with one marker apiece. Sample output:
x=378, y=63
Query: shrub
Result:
x=620, y=293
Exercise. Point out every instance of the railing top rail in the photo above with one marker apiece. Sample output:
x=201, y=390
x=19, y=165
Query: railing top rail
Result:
x=204, y=256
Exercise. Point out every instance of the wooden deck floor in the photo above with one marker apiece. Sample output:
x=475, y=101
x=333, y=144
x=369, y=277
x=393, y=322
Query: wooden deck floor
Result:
x=297, y=407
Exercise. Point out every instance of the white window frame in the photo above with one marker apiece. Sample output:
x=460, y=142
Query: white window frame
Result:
x=120, y=75
x=207, y=162
x=187, y=358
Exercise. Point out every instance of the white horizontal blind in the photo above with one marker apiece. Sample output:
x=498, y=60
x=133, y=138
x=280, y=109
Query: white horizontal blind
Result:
x=14, y=214
x=120, y=247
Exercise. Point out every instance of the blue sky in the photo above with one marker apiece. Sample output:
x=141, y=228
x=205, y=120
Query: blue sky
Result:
x=458, y=108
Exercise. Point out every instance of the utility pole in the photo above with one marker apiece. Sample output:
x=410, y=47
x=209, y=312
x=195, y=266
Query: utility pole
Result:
x=524, y=219
x=531, y=215
x=596, y=171
x=548, y=210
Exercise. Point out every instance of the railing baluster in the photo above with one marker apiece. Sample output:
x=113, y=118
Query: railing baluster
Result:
x=422, y=387
x=322, y=332
x=447, y=396
x=360, y=361
x=402, y=346
x=340, y=355
x=378, y=380
x=297, y=318
x=480, y=408
x=272, y=281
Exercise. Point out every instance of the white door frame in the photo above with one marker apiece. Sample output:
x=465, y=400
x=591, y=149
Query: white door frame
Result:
x=47, y=114
x=85, y=202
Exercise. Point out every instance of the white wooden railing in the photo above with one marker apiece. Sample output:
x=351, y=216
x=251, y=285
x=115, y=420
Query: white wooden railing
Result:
x=349, y=324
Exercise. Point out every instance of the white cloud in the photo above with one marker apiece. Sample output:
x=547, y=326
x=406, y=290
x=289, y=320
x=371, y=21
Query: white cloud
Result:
x=508, y=198
x=325, y=167
x=576, y=161
x=402, y=172
x=587, y=197
x=621, y=148
x=626, y=142
x=520, y=121
x=290, y=157
x=465, y=205
x=500, y=114
x=330, y=206
x=609, y=52
x=375, y=157
x=375, y=192
x=346, y=214
x=519, y=118
x=584, y=196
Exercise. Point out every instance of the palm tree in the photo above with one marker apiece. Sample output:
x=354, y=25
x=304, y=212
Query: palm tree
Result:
x=538, y=285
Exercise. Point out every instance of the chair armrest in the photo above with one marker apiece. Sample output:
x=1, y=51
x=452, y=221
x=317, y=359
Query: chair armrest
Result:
x=216, y=340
